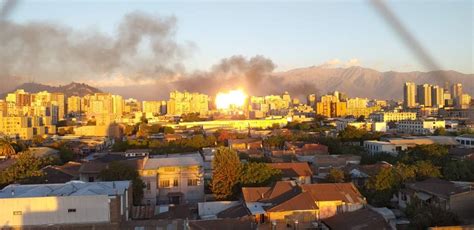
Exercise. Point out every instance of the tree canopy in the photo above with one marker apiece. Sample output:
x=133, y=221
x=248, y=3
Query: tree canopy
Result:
x=226, y=165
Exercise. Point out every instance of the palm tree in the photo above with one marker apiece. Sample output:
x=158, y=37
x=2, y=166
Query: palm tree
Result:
x=6, y=148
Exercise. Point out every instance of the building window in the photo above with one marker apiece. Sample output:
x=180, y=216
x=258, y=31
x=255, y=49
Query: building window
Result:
x=148, y=186
x=17, y=213
x=175, y=182
x=169, y=169
x=193, y=182
x=164, y=183
x=71, y=210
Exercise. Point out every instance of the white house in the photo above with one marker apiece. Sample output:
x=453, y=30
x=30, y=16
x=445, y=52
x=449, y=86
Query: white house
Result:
x=74, y=202
x=174, y=178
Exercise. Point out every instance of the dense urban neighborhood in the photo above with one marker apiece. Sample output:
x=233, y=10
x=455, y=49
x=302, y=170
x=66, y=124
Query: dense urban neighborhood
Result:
x=268, y=162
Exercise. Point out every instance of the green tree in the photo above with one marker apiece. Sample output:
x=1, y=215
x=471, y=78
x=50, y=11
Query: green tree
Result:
x=440, y=131
x=258, y=174
x=66, y=155
x=6, y=148
x=380, y=188
x=120, y=171
x=227, y=168
x=435, y=153
x=26, y=166
x=425, y=169
x=385, y=180
x=459, y=170
x=351, y=133
x=423, y=216
x=335, y=175
x=405, y=172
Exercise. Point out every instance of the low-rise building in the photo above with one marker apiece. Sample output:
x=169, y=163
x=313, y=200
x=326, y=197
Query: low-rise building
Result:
x=466, y=140
x=323, y=163
x=74, y=202
x=392, y=116
x=419, y=127
x=174, y=178
x=287, y=201
x=457, y=197
x=373, y=126
x=300, y=172
x=374, y=147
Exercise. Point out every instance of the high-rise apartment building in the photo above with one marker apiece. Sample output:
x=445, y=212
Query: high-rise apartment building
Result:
x=311, y=100
x=423, y=94
x=409, y=95
x=153, y=107
x=330, y=106
x=74, y=104
x=186, y=102
x=437, y=96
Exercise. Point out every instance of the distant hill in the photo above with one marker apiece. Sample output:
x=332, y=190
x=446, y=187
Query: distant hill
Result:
x=72, y=89
x=365, y=82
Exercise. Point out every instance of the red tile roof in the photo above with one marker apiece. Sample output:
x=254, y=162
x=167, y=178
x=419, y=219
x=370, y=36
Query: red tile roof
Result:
x=346, y=192
x=294, y=169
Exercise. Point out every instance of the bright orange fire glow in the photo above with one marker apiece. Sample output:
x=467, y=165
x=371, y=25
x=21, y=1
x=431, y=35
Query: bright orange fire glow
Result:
x=233, y=98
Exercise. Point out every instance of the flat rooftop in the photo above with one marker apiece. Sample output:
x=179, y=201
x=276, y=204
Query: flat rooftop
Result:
x=71, y=188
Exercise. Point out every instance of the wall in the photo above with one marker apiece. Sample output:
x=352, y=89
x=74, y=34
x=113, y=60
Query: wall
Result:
x=463, y=205
x=54, y=210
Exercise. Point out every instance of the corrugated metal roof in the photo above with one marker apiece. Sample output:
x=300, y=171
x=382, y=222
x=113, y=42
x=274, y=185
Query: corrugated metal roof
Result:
x=72, y=188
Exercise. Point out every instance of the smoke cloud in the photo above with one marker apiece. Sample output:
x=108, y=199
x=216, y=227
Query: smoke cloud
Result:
x=142, y=52
x=46, y=52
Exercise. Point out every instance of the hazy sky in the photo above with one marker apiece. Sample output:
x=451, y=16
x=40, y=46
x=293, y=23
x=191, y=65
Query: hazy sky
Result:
x=293, y=34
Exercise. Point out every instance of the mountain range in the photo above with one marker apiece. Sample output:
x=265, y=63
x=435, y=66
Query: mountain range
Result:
x=71, y=89
x=365, y=82
x=354, y=81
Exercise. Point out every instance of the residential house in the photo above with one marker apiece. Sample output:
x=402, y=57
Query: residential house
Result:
x=292, y=203
x=245, y=144
x=60, y=173
x=363, y=219
x=174, y=178
x=323, y=163
x=453, y=196
x=305, y=149
x=75, y=202
x=299, y=172
x=360, y=174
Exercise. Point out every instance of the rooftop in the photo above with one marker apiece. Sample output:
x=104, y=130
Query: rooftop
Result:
x=72, y=188
x=439, y=187
x=294, y=169
x=360, y=219
x=155, y=162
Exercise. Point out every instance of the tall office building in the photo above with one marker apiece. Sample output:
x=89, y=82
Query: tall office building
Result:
x=437, y=96
x=423, y=94
x=74, y=104
x=409, y=95
x=457, y=93
x=311, y=100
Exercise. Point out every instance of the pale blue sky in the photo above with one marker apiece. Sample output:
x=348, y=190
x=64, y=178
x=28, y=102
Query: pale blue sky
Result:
x=292, y=34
